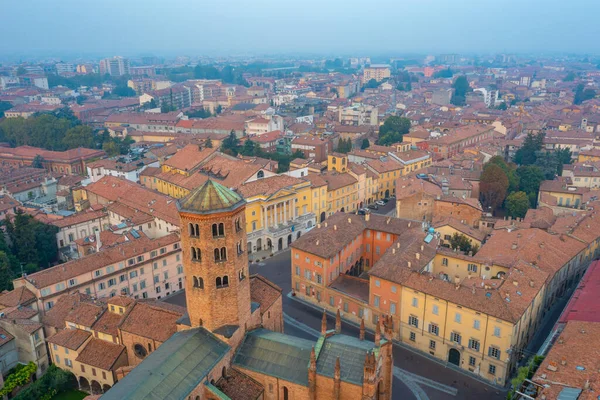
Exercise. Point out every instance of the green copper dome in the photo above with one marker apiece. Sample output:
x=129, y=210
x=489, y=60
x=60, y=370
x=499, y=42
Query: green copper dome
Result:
x=210, y=198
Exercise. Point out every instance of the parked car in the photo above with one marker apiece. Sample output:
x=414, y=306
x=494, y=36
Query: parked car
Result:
x=373, y=206
x=361, y=211
x=421, y=176
x=380, y=203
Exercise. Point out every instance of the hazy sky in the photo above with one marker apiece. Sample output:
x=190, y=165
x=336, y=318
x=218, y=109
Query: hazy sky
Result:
x=196, y=27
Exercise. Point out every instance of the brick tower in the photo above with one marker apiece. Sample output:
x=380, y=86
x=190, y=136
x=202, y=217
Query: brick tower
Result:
x=213, y=237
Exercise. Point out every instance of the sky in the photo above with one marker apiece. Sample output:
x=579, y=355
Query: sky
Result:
x=348, y=27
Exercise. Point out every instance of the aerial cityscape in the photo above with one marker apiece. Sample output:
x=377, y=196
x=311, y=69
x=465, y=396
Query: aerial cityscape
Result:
x=327, y=200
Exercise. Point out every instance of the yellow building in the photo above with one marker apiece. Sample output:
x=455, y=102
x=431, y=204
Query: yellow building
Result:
x=558, y=194
x=377, y=72
x=412, y=160
x=387, y=174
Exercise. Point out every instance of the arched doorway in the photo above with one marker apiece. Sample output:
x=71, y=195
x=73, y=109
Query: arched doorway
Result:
x=286, y=394
x=322, y=217
x=96, y=388
x=280, y=244
x=387, y=193
x=84, y=385
x=269, y=244
x=454, y=357
x=342, y=210
x=105, y=388
x=249, y=247
x=289, y=240
x=258, y=244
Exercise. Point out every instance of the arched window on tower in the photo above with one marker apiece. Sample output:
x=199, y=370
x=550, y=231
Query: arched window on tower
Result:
x=198, y=282
x=241, y=275
x=239, y=248
x=238, y=226
x=223, y=254
x=218, y=230
x=225, y=281
x=219, y=282
x=196, y=254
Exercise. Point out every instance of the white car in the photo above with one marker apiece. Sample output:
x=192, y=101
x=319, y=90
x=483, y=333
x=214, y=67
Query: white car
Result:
x=380, y=203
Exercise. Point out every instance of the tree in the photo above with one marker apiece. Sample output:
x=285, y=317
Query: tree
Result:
x=393, y=129
x=517, y=204
x=21, y=71
x=582, y=94
x=461, y=242
x=208, y=143
x=38, y=162
x=344, y=146
x=200, y=113
x=6, y=273
x=570, y=77
x=510, y=171
x=502, y=106
x=371, y=84
x=532, y=144
x=79, y=136
x=4, y=105
x=32, y=242
x=365, y=144
x=124, y=91
x=250, y=148
x=461, y=88
x=231, y=144
x=111, y=148
x=530, y=178
x=493, y=186
x=549, y=163
x=444, y=73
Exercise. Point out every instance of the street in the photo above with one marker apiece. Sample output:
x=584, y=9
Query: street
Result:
x=415, y=376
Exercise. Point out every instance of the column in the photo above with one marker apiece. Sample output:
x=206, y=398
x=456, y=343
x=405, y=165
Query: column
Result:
x=264, y=211
x=275, y=213
x=285, y=218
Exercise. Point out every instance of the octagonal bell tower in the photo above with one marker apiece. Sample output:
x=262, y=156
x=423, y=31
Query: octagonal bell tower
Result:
x=213, y=238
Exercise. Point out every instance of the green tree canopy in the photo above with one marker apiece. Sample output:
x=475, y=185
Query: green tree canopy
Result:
x=365, y=144
x=124, y=91
x=209, y=143
x=461, y=88
x=393, y=129
x=444, y=73
x=463, y=243
x=517, y=204
x=344, y=146
x=38, y=162
x=570, y=77
x=493, y=186
x=510, y=170
x=530, y=178
x=527, y=154
x=79, y=136
x=4, y=106
x=371, y=84
x=582, y=94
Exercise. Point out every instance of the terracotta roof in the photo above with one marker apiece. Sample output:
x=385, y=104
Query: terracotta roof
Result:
x=542, y=218
x=78, y=218
x=152, y=319
x=27, y=325
x=113, y=255
x=28, y=152
x=137, y=197
x=20, y=296
x=70, y=338
x=459, y=226
x=238, y=386
x=268, y=186
x=55, y=317
x=385, y=166
x=100, y=353
x=188, y=158
x=572, y=362
x=85, y=314
x=263, y=292
x=5, y=337
x=408, y=186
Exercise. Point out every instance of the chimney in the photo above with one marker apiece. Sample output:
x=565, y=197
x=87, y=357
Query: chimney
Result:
x=422, y=247
x=325, y=224
x=531, y=284
x=409, y=264
x=367, y=216
x=514, y=246
x=98, y=242
x=418, y=256
x=349, y=220
x=335, y=227
x=317, y=242
x=393, y=251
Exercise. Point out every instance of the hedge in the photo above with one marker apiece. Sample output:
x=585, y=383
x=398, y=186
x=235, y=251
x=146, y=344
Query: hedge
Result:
x=54, y=381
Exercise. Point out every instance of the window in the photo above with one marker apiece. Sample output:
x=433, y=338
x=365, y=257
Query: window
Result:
x=196, y=254
x=166, y=275
x=238, y=226
x=494, y=352
x=474, y=344
x=457, y=318
x=98, y=273
x=180, y=269
x=198, y=282
x=139, y=350
x=220, y=254
x=68, y=363
x=476, y=324
x=133, y=274
x=239, y=248
x=112, y=282
x=140, y=258
x=393, y=289
x=435, y=310
x=412, y=337
x=471, y=361
x=492, y=369
x=55, y=347
x=413, y=321
x=194, y=230
x=377, y=283
x=345, y=307
x=445, y=262
x=143, y=284
x=434, y=329
x=331, y=300
x=156, y=279
x=432, y=344
x=415, y=302
x=82, y=368
x=101, y=286
x=472, y=268
x=57, y=358
x=222, y=282
x=297, y=268
x=496, y=331
x=376, y=301
x=455, y=337
x=72, y=282
x=103, y=375
x=218, y=230
x=393, y=308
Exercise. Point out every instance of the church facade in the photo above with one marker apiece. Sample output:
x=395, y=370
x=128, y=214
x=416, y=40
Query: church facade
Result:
x=230, y=343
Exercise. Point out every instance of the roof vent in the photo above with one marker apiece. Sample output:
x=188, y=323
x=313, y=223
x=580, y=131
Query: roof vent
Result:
x=317, y=243
x=335, y=227
x=349, y=220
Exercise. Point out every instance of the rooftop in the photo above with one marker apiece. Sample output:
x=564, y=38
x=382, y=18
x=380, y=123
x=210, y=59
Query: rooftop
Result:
x=210, y=198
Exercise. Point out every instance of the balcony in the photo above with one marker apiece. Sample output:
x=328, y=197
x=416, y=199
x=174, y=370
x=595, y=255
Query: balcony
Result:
x=291, y=226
